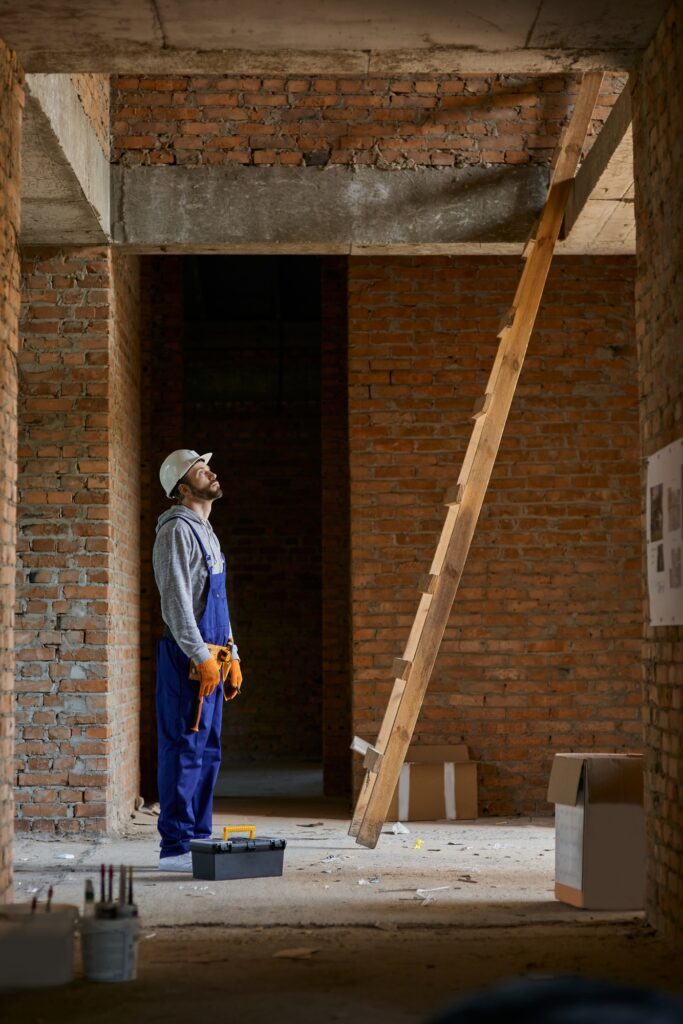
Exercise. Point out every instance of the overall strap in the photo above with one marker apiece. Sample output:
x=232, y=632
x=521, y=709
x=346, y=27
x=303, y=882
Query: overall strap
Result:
x=210, y=562
x=208, y=557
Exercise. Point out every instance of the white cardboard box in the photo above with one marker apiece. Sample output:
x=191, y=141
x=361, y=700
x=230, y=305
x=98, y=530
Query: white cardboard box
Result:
x=599, y=830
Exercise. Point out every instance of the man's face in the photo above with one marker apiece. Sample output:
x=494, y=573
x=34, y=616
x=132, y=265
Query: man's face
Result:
x=202, y=482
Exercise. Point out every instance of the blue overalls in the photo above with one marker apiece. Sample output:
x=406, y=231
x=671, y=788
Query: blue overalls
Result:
x=189, y=761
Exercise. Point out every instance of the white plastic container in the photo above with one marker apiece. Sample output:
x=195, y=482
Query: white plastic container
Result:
x=110, y=948
x=36, y=949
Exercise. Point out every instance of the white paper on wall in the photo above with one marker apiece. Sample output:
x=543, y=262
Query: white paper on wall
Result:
x=664, y=525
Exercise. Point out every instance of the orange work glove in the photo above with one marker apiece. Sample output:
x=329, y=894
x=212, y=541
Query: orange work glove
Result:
x=234, y=681
x=209, y=676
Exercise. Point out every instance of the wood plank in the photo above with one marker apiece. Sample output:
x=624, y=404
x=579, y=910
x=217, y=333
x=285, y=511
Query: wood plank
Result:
x=444, y=539
x=417, y=627
x=476, y=434
x=511, y=357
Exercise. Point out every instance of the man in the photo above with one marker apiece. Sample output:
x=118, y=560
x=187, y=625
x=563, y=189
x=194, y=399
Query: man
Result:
x=189, y=569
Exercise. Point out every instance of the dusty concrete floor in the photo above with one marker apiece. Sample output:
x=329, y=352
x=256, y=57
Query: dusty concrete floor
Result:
x=374, y=946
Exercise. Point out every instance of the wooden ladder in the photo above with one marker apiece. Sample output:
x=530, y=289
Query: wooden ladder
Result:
x=438, y=587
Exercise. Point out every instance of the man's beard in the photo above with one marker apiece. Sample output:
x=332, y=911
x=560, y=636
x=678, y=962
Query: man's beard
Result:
x=207, y=493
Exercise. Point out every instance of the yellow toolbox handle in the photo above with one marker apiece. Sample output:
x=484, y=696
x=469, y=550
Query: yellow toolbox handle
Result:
x=229, y=829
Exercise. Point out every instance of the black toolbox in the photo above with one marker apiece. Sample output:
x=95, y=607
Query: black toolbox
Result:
x=217, y=861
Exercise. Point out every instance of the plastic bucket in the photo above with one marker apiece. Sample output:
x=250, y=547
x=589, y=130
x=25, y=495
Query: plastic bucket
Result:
x=36, y=949
x=110, y=948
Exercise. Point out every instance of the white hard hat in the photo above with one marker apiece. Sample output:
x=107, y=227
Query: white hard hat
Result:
x=175, y=466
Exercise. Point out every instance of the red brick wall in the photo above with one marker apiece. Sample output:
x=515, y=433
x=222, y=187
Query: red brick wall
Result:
x=541, y=652
x=657, y=127
x=94, y=92
x=77, y=680
x=386, y=122
x=11, y=106
x=64, y=537
x=336, y=593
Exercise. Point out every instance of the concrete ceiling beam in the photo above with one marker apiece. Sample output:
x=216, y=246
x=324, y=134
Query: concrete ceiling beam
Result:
x=337, y=210
x=267, y=37
x=600, y=169
x=65, y=187
x=600, y=213
x=137, y=60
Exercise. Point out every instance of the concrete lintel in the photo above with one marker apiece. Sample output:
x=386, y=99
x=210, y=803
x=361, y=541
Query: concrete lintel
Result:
x=224, y=209
x=67, y=186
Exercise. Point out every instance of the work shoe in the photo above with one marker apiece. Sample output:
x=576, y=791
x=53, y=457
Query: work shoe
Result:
x=180, y=864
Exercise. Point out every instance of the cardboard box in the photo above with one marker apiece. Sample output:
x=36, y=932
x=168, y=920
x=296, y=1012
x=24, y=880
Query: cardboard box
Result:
x=599, y=830
x=436, y=783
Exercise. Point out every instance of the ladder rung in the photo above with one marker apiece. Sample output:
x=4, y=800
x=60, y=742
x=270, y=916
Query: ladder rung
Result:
x=453, y=495
x=427, y=582
x=507, y=321
x=372, y=758
x=401, y=668
x=481, y=406
x=359, y=746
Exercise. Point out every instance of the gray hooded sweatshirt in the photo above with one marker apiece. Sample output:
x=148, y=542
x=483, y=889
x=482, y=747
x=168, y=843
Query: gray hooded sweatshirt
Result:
x=182, y=576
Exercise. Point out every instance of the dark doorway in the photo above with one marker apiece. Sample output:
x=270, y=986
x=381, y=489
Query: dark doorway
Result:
x=247, y=357
x=251, y=342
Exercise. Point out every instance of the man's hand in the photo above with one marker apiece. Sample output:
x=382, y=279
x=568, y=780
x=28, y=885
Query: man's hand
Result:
x=234, y=680
x=209, y=676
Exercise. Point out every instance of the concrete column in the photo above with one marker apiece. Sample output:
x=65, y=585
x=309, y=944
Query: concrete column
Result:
x=657, y=87
x=11, y=107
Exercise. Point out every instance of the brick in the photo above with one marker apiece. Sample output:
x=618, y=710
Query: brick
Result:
x=137, y=142
x=369, y=110
x=87, y=458
x=94, y=94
